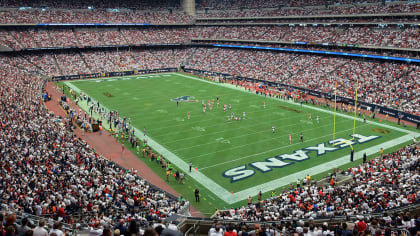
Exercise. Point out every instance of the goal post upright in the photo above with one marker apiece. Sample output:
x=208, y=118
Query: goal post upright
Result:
x=355, y=109
x=335, y=110
x=354, y=119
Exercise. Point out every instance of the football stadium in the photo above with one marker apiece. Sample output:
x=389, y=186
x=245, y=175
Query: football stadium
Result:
x=210, y=117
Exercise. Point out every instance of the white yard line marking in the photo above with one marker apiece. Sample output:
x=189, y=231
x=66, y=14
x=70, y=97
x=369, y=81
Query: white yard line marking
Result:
x=279, y=148
x=239, y=127
x=270, y=137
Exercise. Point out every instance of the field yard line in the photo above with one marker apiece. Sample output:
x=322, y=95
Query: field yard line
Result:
x=279, y=148
x=314, y=170
x=215, y=109
x=253, y=132
x=224, y=130
x=199, y=121
x=296, y=104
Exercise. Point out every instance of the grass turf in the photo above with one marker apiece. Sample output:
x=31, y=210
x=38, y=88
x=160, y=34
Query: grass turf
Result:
x=213, y=144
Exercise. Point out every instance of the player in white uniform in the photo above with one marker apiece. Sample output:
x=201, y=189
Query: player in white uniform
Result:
x=243, y=115
x=317, y=118
x=274, y=129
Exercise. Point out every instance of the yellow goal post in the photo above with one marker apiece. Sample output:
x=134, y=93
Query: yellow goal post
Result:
x=354, y=119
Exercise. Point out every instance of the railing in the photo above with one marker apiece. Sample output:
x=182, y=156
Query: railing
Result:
x=201, y=225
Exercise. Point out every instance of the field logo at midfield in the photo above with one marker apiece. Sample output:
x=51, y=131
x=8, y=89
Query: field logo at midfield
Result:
x=241, y=172
x=184, y=99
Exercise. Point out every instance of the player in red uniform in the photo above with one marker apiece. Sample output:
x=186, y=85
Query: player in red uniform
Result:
x=188, y=114
x=290, y=138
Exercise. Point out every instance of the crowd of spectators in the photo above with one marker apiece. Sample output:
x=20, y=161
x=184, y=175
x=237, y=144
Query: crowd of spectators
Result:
x=23, y=38
x=247, y=4
x=34, y=16
x=225, y=11
x=63, y=38
x=79, y=4
x=156, y=17
x=407, y=37
x=41, y=38
x=107, y=61
x=8, y=41
x=379, y=20
x=71, y=14
x=71, y=64
x=388, y=224
x=48, y=171
x=383, y=183
x=176, y=4
x=369, y=36
x=159, y=59
x=45, y=63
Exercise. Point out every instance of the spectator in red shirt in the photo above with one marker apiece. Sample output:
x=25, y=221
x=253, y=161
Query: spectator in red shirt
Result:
x=61, y=212
x=230, y=232
x=361, y=225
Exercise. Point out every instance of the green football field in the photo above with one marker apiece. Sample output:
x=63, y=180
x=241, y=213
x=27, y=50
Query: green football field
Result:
x=234, y=159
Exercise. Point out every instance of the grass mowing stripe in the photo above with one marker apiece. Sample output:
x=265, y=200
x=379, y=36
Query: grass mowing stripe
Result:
x=259, y=153
x=193, y=122
x=248, y=134
x=218, y=124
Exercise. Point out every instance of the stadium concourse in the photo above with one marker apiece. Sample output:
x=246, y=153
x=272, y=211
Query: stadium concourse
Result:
x=61, y=176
